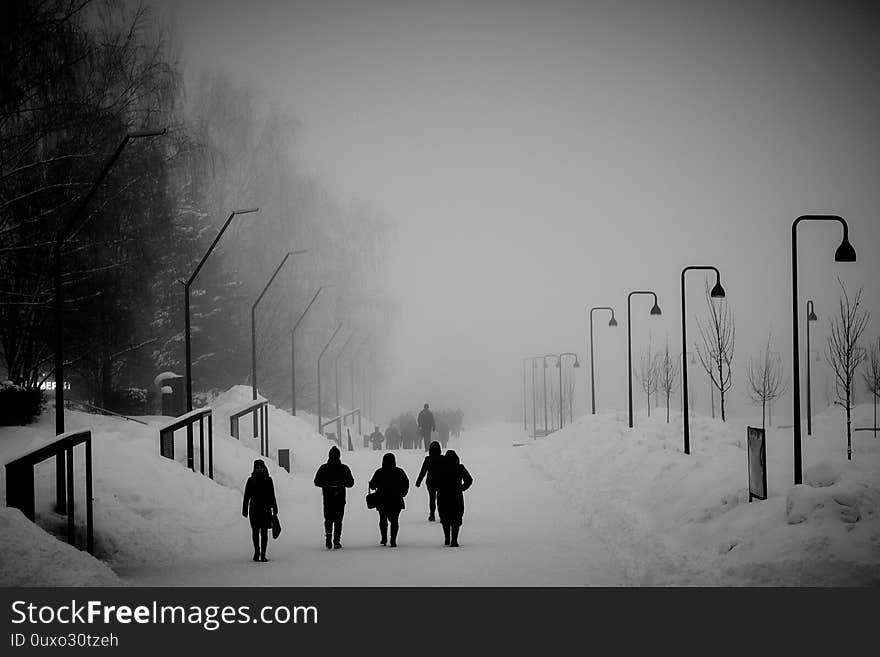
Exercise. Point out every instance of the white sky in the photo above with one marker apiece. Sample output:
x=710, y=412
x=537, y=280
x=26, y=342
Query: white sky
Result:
x=544, y=157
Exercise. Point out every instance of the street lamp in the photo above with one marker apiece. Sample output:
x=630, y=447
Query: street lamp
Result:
x=326, y=346
x=293, y=350
x=544, y=360
x=612, y=322
x=811, y=317
x=844, y=253
x=336, y=380
x=186, y=287
x=717, y=292
x=60, y=238
x=254, y=324
x=559, y=365
x=353, y=359
x=655, y=310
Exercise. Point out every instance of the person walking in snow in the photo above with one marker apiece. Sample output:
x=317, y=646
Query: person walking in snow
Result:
x=432, y=467
x=260, y=507
x=454, y=480
x=333, y=477
x=426, y=425
x=377, y=439
x=392, y=437
x=391, y=485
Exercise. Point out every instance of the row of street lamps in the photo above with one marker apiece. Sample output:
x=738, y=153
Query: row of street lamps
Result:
x=844, y=253
x=543, y=359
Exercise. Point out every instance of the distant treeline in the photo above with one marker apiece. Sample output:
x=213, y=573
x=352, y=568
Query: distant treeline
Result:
x=75, y=78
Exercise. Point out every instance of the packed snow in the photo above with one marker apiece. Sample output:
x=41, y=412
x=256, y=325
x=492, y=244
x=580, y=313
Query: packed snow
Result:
x=596, y=503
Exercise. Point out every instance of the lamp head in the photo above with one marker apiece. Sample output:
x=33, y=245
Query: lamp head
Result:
x=656, y=309
x=613, y=322
x=845, y=252
x=576, y=363
x=246, y=211
x=557, y=364
x=812, y=317
x=717, y=291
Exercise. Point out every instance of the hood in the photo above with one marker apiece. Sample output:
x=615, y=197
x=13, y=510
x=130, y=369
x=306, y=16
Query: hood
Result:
x=260, y=473
x=434, y=448
x=333, y=456
x=452, y=457
x=388, y=461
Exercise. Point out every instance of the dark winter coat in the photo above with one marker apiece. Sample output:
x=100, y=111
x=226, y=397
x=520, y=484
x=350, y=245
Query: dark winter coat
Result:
x=377, y=439
x=391, y=484
x=432, y=466
x=454, y=480
x=259, y=503
x=426, y=421
x=392, y=437
x=333, y=477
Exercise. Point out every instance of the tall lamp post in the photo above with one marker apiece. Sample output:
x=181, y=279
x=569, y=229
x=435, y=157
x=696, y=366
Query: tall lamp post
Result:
x=326, y=346
x=559, y=365
x=336, y=371
x=844, y=253
x=293, y=349
x=544, y=360
x=655, y=310
x=62, y=236
x=186, y=286
x=611, y=322
x=811, y=317
x=525, y=386
x=353, y=360
x=254, y=324
x=717, y=292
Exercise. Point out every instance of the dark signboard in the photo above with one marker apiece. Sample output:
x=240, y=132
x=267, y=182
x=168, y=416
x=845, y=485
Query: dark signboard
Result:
x=757, y=451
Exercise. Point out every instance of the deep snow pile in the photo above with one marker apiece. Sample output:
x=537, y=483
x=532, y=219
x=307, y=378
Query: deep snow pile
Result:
x=676, y=519
x=31, y=557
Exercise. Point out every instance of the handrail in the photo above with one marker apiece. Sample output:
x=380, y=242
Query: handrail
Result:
x=260, y=409
x=339, y=418
x=20, y=491
x=166, y=439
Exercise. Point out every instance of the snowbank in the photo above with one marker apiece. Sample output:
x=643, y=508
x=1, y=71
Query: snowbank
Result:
x=676, y=519
x=31, y=557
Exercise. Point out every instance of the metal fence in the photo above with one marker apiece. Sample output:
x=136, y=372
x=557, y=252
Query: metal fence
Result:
x=20, y=491
x=260, y=409
x=166, y=439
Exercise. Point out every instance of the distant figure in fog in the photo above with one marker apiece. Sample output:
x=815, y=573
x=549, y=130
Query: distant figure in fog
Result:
x=392, y=437
x=443, y=432
x=432, y=466
x=260, y=506
x=376, y=438
x=454, y=480
x=426, y=425
x=333, y=477
x=392, y=485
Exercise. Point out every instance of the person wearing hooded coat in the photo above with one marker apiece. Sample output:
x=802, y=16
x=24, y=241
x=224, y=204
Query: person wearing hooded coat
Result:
x=432, y=467
x=391, y=484
x=260, y=506
x=454, y=480
x=333, y=477
x=392, y=437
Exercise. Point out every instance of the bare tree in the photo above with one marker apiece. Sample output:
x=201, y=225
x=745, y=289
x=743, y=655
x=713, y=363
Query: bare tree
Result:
x=648, y=374
x=667, y=375
x=718, y=342
x=766, y=382
x=872, y=377
x=569, y=394
x=844, y=354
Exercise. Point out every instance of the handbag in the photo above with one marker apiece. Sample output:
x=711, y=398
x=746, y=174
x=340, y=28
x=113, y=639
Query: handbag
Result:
x=276, y=527
x=372, y=500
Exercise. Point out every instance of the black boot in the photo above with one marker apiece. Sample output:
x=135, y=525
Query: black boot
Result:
x=394, y=538
x=256, y=556
x=445, y=534
x=327, y=541
x=454, y=542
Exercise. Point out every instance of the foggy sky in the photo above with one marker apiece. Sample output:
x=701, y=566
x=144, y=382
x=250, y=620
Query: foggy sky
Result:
x=544, y=157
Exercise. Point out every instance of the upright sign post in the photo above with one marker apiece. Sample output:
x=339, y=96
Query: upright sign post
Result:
x=757, y=457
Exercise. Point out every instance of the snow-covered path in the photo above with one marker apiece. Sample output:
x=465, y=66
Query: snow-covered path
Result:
x=518, y=530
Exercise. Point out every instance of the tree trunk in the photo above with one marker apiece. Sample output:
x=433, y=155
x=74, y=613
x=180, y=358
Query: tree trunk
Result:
x=763, y=416
x=848, y=428
x=667, y=408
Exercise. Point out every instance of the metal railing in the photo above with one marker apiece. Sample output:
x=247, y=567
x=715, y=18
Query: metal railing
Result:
x=20, y=491
x=166, y=439
x=260, y=409
x=338, y=421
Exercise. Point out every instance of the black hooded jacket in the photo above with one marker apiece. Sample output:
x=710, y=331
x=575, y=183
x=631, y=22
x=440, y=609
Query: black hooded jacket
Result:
x=333, y=477
x=391, y=484
x=432, y=466
x=259, y=498
x=454, y=480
